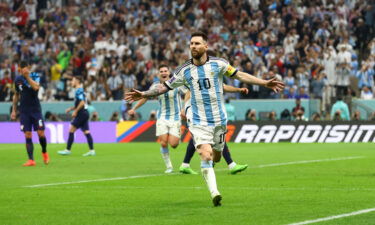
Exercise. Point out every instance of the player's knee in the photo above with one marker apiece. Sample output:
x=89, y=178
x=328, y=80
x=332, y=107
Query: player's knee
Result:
x=163, y=144
x=173, y=144
x=207, y=156
x=28, y=135
x=41, y=133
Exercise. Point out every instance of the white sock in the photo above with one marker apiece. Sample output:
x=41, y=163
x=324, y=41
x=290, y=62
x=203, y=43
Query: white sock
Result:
x=166, y=158
x=185, y=165
x=232, y=165
x=209, y=176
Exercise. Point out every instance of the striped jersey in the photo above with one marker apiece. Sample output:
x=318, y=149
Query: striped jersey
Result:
x=206, y=86
x=169, y=105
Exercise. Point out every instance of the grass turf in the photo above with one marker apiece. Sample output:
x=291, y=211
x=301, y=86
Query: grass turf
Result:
x=281, y=194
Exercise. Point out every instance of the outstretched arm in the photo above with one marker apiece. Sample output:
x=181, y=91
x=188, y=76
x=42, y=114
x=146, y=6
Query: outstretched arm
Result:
x=273, y=84
x=136, y=95
x=138, y=105
x=231, y=89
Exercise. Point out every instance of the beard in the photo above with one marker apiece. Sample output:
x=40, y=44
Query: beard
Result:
x=196, y=54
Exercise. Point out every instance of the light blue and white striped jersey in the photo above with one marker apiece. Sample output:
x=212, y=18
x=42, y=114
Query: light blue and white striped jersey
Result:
x=169, y=105
x=206, y=86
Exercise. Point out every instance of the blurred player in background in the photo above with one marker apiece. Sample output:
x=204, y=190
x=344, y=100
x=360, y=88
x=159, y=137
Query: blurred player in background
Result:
x=27, y=87
x=80, y=118
x=168, y=125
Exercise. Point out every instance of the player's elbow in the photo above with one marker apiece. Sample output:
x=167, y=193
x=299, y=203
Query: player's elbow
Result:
x=36, y=87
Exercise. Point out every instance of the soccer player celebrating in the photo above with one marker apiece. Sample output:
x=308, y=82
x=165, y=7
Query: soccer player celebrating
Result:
x=207, y=120
x=80, y=118
x=27, y=86
x=168, y=117
x=234, y=168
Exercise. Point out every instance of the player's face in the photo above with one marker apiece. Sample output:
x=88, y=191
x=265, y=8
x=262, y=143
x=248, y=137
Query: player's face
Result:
x=198, y=47
x=75, y=82
x=163, y=74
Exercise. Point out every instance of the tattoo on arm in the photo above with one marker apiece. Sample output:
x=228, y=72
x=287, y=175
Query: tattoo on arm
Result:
x=158, y=90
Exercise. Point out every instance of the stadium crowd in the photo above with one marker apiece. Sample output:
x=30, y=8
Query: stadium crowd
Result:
x=319, y=48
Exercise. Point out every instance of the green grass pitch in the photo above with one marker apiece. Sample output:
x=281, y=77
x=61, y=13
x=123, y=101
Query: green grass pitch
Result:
x=269, y=192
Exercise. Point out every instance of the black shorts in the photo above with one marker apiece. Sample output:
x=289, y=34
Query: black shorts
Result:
x=81, y=121
x=31, y=120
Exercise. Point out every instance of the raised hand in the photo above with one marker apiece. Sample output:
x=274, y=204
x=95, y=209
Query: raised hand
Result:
x=131, y=112
x=275, y=85
x=133, y=96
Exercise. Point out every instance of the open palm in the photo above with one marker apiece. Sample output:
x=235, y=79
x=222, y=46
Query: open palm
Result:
x=133, y=96
x=275, y=85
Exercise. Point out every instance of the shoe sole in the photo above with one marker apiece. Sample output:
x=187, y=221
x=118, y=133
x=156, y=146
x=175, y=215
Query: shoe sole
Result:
x=217, y=200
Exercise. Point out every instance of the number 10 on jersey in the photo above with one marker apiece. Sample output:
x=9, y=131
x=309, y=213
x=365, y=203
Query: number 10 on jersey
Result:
x=204, y=84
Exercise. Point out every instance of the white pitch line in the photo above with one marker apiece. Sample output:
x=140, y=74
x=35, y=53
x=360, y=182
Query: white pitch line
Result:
x=155, y=175
x=302, y=162
x=95, y=180
x=309, y=161
x=335, y=217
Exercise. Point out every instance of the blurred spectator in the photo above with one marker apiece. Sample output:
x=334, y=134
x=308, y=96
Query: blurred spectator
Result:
x=231, y=114
x=340, y=110
x=5, y=86
x=289, y=82
x=251, y=115
x=49, y=116
x=285, y=115
x=343, y=70
x=115, y=117
x=95, y=117
x=316, y=117
x=300, y=115
x=291, y=93
x=365, y=76
x=152, y=116
x=372, y=116
x=317, y=86
x=302, y=93
x=287, y=39
x=272, y=116
x=130, y=81
x=356, y=116
x=298, y=108
x=115, y=85
x=366, y=93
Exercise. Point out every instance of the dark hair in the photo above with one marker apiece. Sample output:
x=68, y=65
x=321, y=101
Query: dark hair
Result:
x=200, y=34
x=162, y=65
x=79, y=78
x=211, y=53
x=24, y=64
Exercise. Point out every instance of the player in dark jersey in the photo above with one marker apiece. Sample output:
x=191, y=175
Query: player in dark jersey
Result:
x=27, y=86
x=80, y=118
